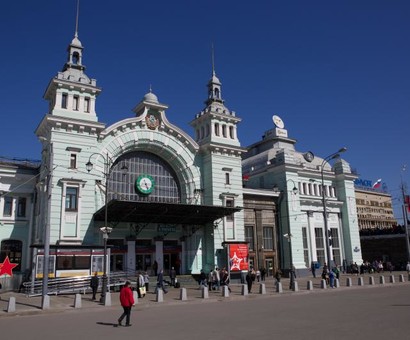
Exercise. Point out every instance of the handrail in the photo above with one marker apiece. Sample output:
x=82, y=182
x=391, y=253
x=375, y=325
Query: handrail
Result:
x=75, y=284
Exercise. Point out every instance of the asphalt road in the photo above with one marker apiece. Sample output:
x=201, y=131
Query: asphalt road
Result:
x=377, y=312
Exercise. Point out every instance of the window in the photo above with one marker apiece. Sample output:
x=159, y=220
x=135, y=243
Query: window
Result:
x=320, y=250
x=335, y=243
x=76, y=58
x=216, y=129
x=12, y=249
x=73, y=161
x=227, y=178
x=64, y=100
x=224, y=130
x=231, y=132
x=249, y=237
x=75, y=103
x=268, y=238
x=21, y=207
x=86, y=104
x=8, y=206
x=230, y=204
x=305, y=246
x=71, y=199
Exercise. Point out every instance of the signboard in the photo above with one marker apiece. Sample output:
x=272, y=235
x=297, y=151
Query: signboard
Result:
x=238, y=257
x=166, y=229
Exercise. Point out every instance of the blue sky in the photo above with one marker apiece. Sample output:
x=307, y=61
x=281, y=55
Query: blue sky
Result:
x=336, y=72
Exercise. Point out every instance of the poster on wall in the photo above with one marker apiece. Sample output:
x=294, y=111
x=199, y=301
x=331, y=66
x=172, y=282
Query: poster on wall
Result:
x=238, y=257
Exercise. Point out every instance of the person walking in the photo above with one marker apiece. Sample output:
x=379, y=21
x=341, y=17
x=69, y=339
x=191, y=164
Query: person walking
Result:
x=146, y=281
x=173, y=276
x=160, y=281
x=94, y=282
x=313, y=268
x=127, y=301
x=249, y=282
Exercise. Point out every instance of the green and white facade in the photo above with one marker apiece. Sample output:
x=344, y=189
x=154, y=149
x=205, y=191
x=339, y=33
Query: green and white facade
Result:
x=274, y=163
x=188, y=210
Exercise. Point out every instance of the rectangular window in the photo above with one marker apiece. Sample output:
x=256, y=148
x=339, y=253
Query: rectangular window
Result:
x=227, y=178
x=224, y=130
x=64, y=100
x=335, y=244
x=268, y=238
x=231, y=132
x=73, y=161
x=86, y=104
x=305, y=246
x=320, y=248
x=76, y=99
x=71, y=199
x=21, y=207
x=216, y=129
x=230, y=204
x=249, y=237
x=8, y=206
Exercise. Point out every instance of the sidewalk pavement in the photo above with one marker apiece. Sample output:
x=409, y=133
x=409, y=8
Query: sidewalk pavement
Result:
x=25, y=305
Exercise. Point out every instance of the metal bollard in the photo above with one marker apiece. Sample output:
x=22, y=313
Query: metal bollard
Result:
x=279, y=288
x=11, y=306
x=160, y=295
x=401, y=278
x=360, y=281
x=382, y=280
x=77, y=301
x=205, y=293
x=309, y=285
x=337, y=283
x=262, y=288
x=392, y=279
x=295, y=287
x=183, y=295
x=371, y=280
x=323, y=284
x=349, y=282
x=225, y=291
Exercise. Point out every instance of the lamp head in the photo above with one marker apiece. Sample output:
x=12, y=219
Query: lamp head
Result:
x=89, y=166
x=342, y=150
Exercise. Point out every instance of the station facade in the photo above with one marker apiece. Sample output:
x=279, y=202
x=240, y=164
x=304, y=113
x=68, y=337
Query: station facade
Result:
x=160, y=198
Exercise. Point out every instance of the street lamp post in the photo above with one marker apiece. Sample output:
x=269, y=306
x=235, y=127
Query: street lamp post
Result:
x=327, y=239
x=405, y=208
x=105, y=230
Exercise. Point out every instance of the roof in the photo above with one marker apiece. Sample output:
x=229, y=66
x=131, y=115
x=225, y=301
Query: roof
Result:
x=169, y=213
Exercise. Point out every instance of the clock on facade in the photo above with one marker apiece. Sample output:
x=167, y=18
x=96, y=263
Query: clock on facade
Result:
x=145, y=184
x=309, y=156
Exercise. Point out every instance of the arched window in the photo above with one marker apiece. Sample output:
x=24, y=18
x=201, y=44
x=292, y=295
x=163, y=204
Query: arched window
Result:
x=224, y=130
x=12, y=249
x=216, y=129
x=231, y=132
x=216, y=93
x=76, y=58
x=126, y=170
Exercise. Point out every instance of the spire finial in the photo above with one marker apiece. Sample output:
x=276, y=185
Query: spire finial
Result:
x=150, y=88
x=213, y=59
x=76, y=19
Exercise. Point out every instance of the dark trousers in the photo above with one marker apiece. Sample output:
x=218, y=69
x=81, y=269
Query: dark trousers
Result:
x=94, y=291
x=126, y=314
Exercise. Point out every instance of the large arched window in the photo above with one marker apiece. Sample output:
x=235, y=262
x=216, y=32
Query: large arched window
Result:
x=12, y=249
x=130, y=166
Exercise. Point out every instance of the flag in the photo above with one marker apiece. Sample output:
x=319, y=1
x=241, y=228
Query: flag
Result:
x=407, y=202
x=377, y=184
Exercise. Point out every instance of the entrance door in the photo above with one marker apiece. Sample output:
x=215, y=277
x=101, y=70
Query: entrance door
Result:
x=269, y=267
x=117, y=262
x=143, y=262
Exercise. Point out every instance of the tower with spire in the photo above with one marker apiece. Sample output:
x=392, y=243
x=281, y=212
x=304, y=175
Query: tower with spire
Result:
x=67, y=132
x=216, y=134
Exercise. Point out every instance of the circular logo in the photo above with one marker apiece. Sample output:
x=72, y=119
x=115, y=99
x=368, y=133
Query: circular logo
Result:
x=278, y=122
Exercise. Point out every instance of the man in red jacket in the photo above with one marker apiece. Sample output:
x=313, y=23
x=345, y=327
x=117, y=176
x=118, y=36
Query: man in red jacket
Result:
x=127, y=301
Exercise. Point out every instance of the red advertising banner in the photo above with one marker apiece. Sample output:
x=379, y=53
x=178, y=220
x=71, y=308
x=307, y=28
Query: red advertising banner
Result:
x=238, y=257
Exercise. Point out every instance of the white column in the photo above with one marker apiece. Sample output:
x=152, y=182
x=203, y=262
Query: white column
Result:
x=159, y=254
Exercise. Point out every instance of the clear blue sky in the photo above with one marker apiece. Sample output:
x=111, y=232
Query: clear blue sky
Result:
x=336, y=72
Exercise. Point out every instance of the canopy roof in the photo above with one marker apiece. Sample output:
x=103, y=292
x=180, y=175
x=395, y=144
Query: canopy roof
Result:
x=169, y=213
